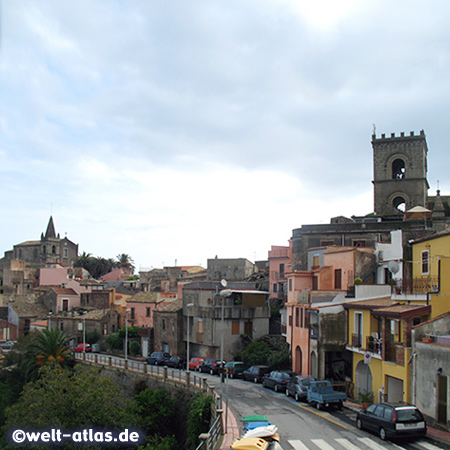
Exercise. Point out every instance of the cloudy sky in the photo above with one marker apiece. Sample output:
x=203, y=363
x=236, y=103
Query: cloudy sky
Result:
x=175, y=130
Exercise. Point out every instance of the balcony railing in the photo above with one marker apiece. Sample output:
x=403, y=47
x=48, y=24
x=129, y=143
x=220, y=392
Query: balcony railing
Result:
x=373, y=345
x=417, y=285
x=356, y=340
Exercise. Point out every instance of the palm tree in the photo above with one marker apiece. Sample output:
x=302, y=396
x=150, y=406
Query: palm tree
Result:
x=83, y=260
x=49, y=347
x=126, y=262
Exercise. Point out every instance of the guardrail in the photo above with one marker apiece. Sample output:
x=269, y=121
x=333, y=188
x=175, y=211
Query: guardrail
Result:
x=208, y=441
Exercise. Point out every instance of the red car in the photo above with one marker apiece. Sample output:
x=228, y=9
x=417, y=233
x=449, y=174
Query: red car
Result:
x=194, y=363
x=87, y=348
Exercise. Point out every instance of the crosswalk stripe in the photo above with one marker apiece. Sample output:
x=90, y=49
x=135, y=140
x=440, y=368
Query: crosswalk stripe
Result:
x=427, y=445
x=371, y=444
x=347, y=444
x=322, y=444
x=298, y=445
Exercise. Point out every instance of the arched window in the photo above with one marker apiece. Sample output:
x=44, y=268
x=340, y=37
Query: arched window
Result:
x=398, y=169
x=44, y=249
x=399, y=204
x=298, y=360
x=35, y=254
x=53, y=249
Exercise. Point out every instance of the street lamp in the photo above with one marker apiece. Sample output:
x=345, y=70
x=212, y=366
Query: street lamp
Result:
x=224, y=294
x=84, y=332
x=126, y=333
x=188, y=334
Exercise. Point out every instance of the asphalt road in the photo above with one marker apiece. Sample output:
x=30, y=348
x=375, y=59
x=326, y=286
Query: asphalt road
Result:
x=303, y=427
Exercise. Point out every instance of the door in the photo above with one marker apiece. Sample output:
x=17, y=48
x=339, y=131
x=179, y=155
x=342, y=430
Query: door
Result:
x=363, y=378
x=394, y=389
x=442, y=399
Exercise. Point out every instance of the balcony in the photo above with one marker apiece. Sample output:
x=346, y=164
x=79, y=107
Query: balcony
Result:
x=417, y=285
x=373, y=345
x=356, y=340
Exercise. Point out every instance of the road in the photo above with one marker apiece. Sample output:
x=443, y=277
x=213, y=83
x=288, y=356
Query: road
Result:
x=302, y=427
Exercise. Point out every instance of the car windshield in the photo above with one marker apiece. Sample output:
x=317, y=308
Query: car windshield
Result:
x=408, y=415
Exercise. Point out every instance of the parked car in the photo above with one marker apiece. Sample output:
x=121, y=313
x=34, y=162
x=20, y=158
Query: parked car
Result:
x=87, y=348
x=177, y=362
x=8, y=345
x=298, y=386
x=211, y=366
x=322, y=394
x=391, y=420
x=158, y=358
x=194, y=363
x=255, y=373
x=235, y=369
x=277, y=379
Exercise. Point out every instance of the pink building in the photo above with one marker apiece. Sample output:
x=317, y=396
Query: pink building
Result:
x=280, y=259
x=53, y=276
x=332, y=271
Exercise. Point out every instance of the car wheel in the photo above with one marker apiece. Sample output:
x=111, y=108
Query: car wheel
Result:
x=276, y=388
x=318, y=406
x=339, y=405
x=264, y=383
x=231, y=375
x=382, y=433
x=211, y=371
x=296, y=397
x=359, y=424
x=287, y=392
x=255, y=380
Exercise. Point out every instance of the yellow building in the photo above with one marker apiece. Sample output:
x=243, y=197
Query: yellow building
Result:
x=431, y=270
x=379, y=332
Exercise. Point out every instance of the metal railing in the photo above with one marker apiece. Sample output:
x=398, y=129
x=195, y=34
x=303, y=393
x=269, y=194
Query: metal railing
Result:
x=208, y=441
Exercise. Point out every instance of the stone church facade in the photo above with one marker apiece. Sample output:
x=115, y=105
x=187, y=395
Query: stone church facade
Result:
x=49, y=249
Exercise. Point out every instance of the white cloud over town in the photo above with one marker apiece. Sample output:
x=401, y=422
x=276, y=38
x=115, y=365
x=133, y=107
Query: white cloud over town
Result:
x=178, y=131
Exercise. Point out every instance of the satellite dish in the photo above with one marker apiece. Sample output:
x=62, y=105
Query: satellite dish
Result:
x=393, y=267
x=223, y=283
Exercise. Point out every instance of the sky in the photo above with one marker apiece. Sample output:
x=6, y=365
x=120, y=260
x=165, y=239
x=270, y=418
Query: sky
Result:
x=175, y=131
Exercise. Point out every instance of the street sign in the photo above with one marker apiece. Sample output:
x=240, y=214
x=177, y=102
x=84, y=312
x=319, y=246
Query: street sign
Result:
x=367, y=358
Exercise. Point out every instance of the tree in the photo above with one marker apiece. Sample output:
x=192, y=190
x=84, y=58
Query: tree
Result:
x=70, y=400
x=48, y=347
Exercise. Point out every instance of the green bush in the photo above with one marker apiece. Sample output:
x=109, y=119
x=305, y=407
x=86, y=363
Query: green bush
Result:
x=114, y=341
x=199, y=419
x=135, y=348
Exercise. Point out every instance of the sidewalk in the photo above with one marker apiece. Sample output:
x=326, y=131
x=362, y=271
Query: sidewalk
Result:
x=432, y=433
x=232, y=430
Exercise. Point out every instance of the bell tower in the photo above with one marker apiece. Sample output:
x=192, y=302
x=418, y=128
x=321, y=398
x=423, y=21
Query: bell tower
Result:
x=399, y=173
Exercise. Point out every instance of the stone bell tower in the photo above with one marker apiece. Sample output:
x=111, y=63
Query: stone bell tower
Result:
x=399, y=173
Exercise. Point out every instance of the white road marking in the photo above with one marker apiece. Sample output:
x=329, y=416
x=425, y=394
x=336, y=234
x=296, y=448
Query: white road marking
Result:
x=427, y=445
x=298, y=445
x=371, y=444
x=347, y=444
x=322, y=444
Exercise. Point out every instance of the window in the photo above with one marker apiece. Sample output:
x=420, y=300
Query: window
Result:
x=290, y=321
x=282, y=270
x=398, y=169
x=65, y=253
x=359, y=243
x=65, y=304
x=338, y=279
x=163, y=324
x=425, y=262
x=200, y=330
x=235, y=327
x=316, y=260
x=248, y=328
x=147, y=312
x=53, y=249
x=399, y=204
x=290, y=284
x=132, y=314
x=275, y=287
x=297, y=317
x=61, y=326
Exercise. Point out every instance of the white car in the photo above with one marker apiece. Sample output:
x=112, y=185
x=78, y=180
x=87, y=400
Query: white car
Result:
x=8, y=345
